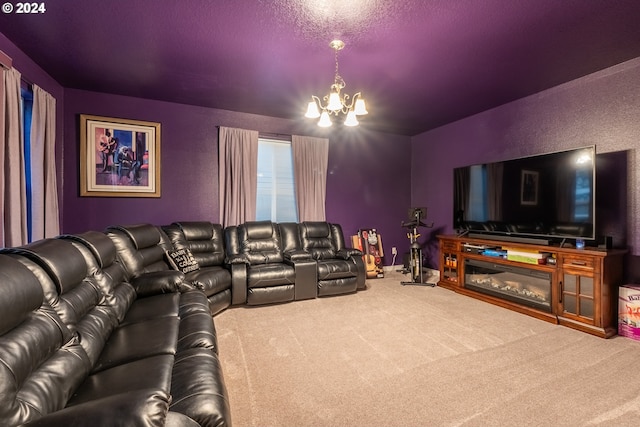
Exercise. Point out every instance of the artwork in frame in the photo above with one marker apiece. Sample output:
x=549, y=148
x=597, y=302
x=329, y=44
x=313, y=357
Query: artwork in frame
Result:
x=529, y=188
x=119, y=157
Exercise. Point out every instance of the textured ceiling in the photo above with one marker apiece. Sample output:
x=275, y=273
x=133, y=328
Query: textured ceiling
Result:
x=419, y=64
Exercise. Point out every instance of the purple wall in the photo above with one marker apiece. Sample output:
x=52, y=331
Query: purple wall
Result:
x=601, y=109
x=368, y=183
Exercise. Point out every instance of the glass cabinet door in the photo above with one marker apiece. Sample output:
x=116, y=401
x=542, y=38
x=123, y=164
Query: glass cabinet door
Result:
x=577, y=295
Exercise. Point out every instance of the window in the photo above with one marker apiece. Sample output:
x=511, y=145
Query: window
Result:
x=26, y=106
x=276, y=197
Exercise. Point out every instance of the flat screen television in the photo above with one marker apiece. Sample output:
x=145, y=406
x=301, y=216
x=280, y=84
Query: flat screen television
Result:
x=542, y=197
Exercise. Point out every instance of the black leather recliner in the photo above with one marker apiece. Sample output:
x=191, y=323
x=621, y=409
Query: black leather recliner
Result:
x=260, y=273
x=80, y=345
x=205, y=240
x=340, y=269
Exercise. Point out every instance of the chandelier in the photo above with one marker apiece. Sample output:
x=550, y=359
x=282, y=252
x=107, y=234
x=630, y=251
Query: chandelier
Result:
x=337, y=103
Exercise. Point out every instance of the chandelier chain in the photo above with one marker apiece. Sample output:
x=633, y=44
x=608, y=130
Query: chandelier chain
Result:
x=338, y=79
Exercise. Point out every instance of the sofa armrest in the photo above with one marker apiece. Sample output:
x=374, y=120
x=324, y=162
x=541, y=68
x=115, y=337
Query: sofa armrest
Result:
x=238, y=283
x=347, y=253
x=237, y=259
x=160, y=282
x=297, y=255
x=135, y=408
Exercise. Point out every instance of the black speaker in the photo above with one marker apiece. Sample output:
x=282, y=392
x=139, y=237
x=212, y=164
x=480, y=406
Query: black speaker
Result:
x=605, y=242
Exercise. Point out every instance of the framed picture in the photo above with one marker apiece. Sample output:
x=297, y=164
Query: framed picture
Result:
x=529, y=188
x=119, y=157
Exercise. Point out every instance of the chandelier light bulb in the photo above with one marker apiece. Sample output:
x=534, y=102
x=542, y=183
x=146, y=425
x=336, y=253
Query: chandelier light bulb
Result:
x=312, y=110
x=351, y=119
x=324, y=121
x=335, y=104
x=360, y=109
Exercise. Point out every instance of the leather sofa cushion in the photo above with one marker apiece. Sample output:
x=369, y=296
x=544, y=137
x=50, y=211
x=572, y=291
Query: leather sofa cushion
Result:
x=270, y=275
x=143, y=408
x=101, y=247
x=196, y=230
x=204, y=400
x=317, y=240
x=141, y=248
x=337, y=286
x=260, y=242
x=20, y=293
x=316, y=229
x=152, y=307
x=62, y=262
x=271, y=294
x=192, y=302
x=197, y=331
x=138, y=341
x=159, y=282
x=336, y=269
x=41, y=361
x=148, y=373
x=204, y=239
x=210, y=280
x=142, y=235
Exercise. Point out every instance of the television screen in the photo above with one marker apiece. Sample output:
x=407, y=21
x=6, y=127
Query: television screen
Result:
x=548, y=195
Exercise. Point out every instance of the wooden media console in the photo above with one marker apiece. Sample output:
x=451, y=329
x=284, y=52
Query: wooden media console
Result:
x=577, y=288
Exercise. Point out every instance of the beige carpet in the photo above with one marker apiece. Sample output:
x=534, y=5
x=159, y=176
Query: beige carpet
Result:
x=396, y=355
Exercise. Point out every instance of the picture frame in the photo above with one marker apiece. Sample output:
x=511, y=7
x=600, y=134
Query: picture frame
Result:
x=119, y=157
x=529, y=184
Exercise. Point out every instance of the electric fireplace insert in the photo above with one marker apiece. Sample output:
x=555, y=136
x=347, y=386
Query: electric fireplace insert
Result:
x=522, y=285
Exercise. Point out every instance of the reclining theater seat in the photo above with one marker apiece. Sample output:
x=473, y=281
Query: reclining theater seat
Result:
x=197, y=385
x=141, y=251
x=340, y=269
x=206, y=242
x=41, y=361
x=259, y=272
x=51, y=353
x=164, y=348
x=197, y=388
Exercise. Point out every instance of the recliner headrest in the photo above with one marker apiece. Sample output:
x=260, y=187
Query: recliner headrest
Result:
x=196, y=230
x=142, y=235
x=60, y=259
x=317, y=229
x=259, y=229
x=100, y=245
x=20, y=293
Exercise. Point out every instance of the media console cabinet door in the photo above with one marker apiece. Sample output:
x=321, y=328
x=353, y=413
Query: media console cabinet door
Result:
x=578, y=298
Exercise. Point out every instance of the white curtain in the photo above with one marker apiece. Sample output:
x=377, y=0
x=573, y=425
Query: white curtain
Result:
x=13, y=200
x=238, y=175
x=310, y=159
x=44, y=199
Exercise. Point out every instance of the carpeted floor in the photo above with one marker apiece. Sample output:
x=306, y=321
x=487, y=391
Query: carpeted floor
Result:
x=396, y=355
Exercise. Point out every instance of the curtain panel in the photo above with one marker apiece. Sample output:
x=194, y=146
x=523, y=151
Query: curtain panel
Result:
x=45, y=220
x=238, y=175
x=310, y=159
x=13, y=199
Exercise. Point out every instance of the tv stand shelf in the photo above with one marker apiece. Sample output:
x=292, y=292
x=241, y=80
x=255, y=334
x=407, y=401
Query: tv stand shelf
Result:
x=575, y=287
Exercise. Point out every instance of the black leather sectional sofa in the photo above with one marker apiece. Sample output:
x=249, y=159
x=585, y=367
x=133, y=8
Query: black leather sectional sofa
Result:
x=116, y=327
